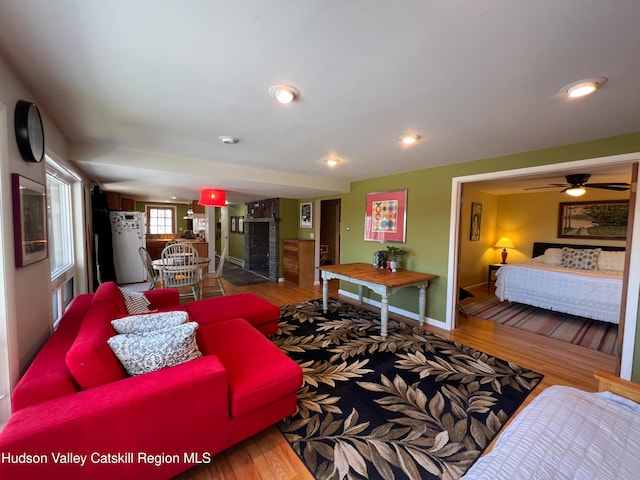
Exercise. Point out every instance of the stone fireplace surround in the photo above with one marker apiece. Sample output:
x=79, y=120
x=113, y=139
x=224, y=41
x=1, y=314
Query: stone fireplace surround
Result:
x=261, y=252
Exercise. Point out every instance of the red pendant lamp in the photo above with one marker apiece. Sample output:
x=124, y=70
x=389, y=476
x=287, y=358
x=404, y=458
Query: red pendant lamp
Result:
x=210, y=197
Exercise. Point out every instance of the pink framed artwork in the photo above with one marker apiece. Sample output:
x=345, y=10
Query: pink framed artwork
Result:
x=386, y=216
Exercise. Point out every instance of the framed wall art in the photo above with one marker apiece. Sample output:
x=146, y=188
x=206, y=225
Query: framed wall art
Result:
x=386, y=216
x=29, y=220
x=476, y=221
x=305, y=215
x=234, y=224
x=604, y=219
x=241, y=224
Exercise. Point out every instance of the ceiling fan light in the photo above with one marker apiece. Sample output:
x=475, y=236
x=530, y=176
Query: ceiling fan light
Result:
x=576, y=191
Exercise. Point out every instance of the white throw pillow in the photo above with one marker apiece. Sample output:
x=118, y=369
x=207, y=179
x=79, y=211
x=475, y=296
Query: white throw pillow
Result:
x=148, y=352
x=150, y=322
x=135, y=302
x=553, y=256
x=611, y=261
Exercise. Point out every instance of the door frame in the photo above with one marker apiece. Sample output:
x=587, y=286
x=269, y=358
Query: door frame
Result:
x=633, y=275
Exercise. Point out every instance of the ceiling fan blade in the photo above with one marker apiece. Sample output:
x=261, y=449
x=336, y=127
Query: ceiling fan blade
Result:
x=551, y=185
x=608, y=186
x=615, y=184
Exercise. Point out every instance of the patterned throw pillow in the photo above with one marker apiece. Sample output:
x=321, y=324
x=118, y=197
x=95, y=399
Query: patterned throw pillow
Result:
x=148, y=352
x=149, y=322
x=580, y=259
x=135, y=302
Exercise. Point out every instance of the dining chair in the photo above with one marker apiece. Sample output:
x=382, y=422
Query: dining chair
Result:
x=179, y=268
x=212, y=281
x=153, y=275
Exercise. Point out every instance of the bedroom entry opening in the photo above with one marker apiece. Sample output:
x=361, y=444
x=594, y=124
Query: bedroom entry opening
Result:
x=468, y=254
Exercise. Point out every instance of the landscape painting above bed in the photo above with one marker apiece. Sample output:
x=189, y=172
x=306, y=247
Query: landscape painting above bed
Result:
x=582, y=280
x=606, y=219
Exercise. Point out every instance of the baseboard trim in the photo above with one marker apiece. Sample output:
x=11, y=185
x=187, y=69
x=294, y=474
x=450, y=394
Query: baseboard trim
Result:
x=236, y=261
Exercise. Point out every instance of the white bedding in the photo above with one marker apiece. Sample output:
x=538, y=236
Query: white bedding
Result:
x=587, y=293
x=566, y=434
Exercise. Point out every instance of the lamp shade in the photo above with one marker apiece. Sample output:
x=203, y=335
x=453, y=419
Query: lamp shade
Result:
x=210, y=197
x=504, y=242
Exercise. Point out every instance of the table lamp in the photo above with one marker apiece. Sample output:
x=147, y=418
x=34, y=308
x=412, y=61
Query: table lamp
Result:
x=504, y=243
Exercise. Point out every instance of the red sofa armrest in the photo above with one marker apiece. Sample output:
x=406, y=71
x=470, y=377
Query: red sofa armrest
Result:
x=163, y=298
x=178, y=413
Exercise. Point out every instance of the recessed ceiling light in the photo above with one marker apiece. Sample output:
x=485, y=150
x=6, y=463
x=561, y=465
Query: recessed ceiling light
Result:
x=228, y=140
x=284, y=93
x=332, y=162
x=583, y=87
x=409, y=139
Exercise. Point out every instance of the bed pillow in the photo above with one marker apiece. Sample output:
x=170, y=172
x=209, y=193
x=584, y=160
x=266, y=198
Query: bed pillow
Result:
x=553, y=256
x=149, y=322
x=611, y=261
x=148, y=352
x=580, y=258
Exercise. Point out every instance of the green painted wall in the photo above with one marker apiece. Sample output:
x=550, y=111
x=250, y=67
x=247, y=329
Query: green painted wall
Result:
x=236, y=240
x=428, y=213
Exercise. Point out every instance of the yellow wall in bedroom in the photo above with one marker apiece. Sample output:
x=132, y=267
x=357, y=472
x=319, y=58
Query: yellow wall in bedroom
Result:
x=525, y=218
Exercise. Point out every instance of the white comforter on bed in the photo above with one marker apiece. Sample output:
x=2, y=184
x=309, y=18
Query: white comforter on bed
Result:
x=588, y=293
x=566, y=433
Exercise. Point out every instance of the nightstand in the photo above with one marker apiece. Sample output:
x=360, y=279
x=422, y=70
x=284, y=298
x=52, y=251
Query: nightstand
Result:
x=492, y=268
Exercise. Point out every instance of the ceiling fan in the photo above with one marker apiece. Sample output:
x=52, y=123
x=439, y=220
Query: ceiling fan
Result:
x=577, y=185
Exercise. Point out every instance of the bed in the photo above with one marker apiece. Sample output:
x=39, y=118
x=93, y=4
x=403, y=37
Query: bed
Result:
x=582, y=280
x=566, y=433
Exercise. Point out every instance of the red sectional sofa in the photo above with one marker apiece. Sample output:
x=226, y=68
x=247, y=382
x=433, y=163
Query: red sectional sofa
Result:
x=77, y=414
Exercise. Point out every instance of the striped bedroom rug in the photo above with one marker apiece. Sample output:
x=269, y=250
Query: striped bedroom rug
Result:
x=581, y=331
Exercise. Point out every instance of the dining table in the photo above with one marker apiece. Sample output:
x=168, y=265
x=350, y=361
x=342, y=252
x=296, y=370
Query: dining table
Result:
x=177, y=261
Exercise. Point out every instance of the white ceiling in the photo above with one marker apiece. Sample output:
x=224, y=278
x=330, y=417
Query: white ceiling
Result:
x=142, y=89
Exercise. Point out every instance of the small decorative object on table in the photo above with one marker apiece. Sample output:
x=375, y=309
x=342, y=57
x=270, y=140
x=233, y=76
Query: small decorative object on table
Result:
x=380, y=259
x=394, y=256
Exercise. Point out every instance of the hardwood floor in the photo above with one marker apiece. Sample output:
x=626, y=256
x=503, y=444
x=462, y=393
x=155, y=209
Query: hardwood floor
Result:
x=268, y=456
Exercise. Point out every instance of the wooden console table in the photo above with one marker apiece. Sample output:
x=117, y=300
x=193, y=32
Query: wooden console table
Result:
x=381, y=282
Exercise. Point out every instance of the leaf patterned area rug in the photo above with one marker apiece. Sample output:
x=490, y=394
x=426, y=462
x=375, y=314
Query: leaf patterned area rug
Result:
x=412, y=406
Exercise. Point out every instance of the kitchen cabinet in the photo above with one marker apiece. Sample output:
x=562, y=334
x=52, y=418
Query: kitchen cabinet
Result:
x=155, y=247
x=196, y=207
x=298, y=261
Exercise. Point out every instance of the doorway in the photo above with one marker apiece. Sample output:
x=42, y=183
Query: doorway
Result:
x=328, y=233
x=633, y=278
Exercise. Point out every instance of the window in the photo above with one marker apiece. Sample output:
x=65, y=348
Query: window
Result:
x=161, y=219
x=60, y=225
x=61, y=248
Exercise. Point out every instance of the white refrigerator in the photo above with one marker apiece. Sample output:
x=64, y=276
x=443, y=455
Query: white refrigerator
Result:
x=127, y=235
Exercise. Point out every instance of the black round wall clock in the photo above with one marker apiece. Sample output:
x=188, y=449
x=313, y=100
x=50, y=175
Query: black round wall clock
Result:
x=29, y=131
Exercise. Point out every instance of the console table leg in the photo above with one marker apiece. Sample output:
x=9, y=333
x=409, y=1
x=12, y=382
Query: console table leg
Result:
x=360, y=294
x=325, y=294
x=384, y=315
x=422, y=303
